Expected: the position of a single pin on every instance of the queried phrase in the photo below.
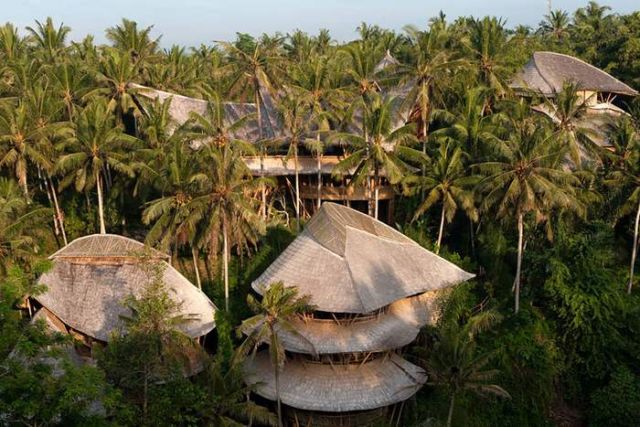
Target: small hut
(91, 276)
(373, 289)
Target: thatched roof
(107, 246)
(337, 388)
(393, 329)
(349, 262)
(388, 60)
(547, 72)
(86, 287)
(182, 106)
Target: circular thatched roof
(547, 72)
(337, 388)
(92, 276)
(349, 262)
(393, 329)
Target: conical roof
(91, 277)
(547, 72)
(349, 262)
(337, 388)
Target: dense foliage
(528, 204)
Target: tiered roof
(348, 262)
(91, 277)
(337, 388)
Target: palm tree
(488, 44)
(21, 226)
(385, 148)
(138, 44)
(115, 73)
(254, 71)
(427, 75)
(45, 110)
(556, 24)
(279, 305)
(98, 144)
(455, 362)
(21, 143)
(70, 83)
(317, 81)
(168, 212)
(470, 125)
(567, 111)
(11, 44)
(296, 115)
(224, 205)
(445, 181)
(48, 39)
(625, 178)
(527, 177)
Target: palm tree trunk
(441, 231)
(319, 184)
(225, 262)
(370, 196)
(278, 401)
(103, 230)
(519, 262)
(634, 251)
(58, 211)
(194, 255)
(451, 405)
(376, 189)
(297, 173)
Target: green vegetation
(547, 220)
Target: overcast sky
(192, 22)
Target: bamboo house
(90, 278)
(545, 75)
(373, 289)
(317, 184)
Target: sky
(192, 22)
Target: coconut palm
(446, 181)
(625, 177)
(22, 226)
(97, 144)
(168, 212)
(470, 125)
(296, 116)
(225, 206)
(21, 143)
(489, 48)
(48, 39)
(456, 363)
(556, 24)
(567, 111)
(385, 148)
(116, 71)
(255, 71)
(45, 109)
(11, 44)
(428, 73)
(137, 43)
(70, 83)
(317, 81)
(279, 305)
(527, 178)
